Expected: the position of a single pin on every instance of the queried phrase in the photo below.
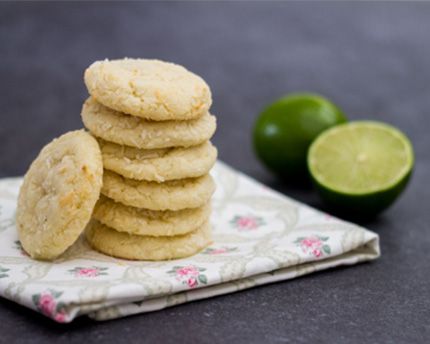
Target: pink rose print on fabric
(314, 245)
(192, 282)
(60, 317)
(247, 223)
(187, 271)
(219, 250)
(47, 304)
(190, 275)
(90, 272)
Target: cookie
(150, 89)
(158, 164)
(149, 222)
(137, 247)
(58, 194)
(122, 129)
(170, 195)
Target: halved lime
(361, 167)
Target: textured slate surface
(370, 58)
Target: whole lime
(285, 129)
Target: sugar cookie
(150, 89)
(170, 195)
(58, 195)
(149, 222)
(137, 247)
(158, 164)
(122, 129)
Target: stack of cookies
(152, 123)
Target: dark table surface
(373, 59)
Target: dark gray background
(373, 59)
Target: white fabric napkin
(260, 236)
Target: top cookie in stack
(152, 122)
(150, 89)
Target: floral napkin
(260, 236)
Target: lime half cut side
(361, 167)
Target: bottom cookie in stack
(141, 247)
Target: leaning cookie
(58, 194)
(170, 195)
(136, 247)
(158, 164)
(149, 222)
(123, 129)
(150, 89)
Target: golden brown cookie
(158, 164)
(58, 195)
(150, 89)
(170, 195)
(149, 222)
(122, 129)
(137, 247)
